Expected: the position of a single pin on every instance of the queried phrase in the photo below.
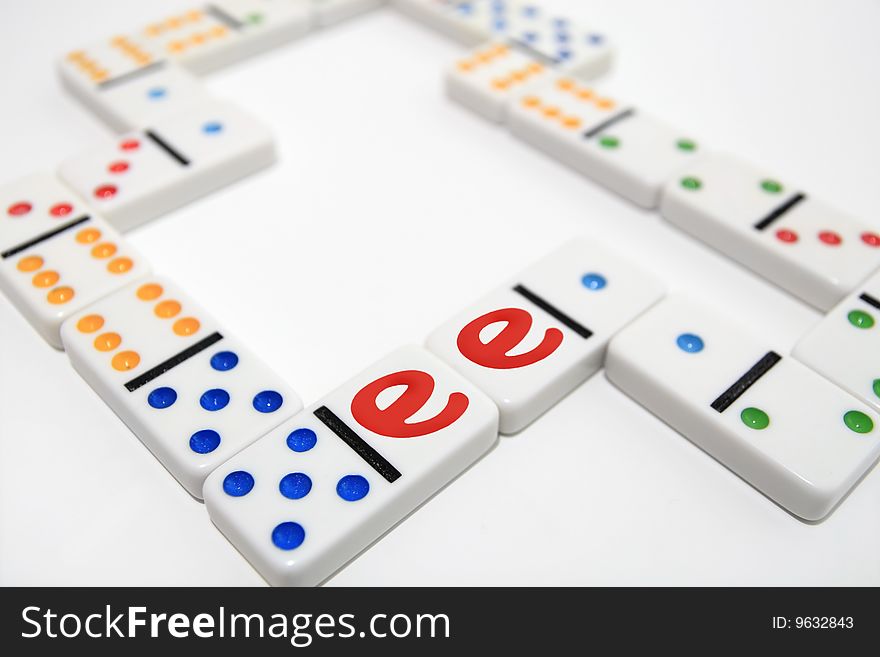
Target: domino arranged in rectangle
(534, 339)
(801, 244)
(141, 175)
(844, 346)
(56, 255)
(610, 142)
(191, 393)
(307, 498)
(794, 436)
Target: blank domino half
(534, 339)
(799, 439)
(844, 346)
(611, 142)
(143, 174)
(307, 498)
(192, 394)
(330, 12)
(56, 255)
(801, 244)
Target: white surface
(390, 209)
(806, 458)
(454, 424)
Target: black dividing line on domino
(570, 322)
(227, 19)
(617, 118)
(45, 236)
(871, 301)
(360, 446)
(168, 148)
(131, 75)
(746, 381)
(533, 53)
(781, 210)
(173, 362)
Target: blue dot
(302, 440)
(214, 399)
(204, 441)
(157, 93)
(295, 485)
(288, 535)
(594, 281)
(238, 483)
(595, 39)
(530, 11)
(268, 401)
(531, 37)
(162, 397)
(353, 488)
(560, 23)
(212, 128)
(690, 343)
(224, 360)
(500, 25)
(562, 37)
(564, 54)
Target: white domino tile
(331, 12)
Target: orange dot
(88, 235)
(120, 265)
(173, 23)
(125, 360)
(566, 84)
(585, 94)
(571, 122)
(149, 291)
(465, 65)
(193, 15)
(604, 103)
(219, 31)
(30, 263)
(166, 309)
(186, 326)
(99, 76)
(199, 39)
(104, 250)
(107, 341)
(535, 68)
(90, 323)
(520, 75)
(60, 295)
(176, 46)
(501, 49)
(485, 56)
(531, 101)
(551, 112)
(500, 84)
(45, 278)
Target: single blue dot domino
(224, 361)
(352, 488)
(288, 535)
(238, 483)
(268, 401)
(302, 440)
(295, 485)
(204, 441)
(157, 93)
(162, 397)
(214, 399)
(594, 281)
(690, 343)
(212, 128)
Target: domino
(190, 392)
(607, 140)
(791, 434)
(451, 18)
(844, 346)
(141, 175)
(330, 12)
(223, 32)
(487, 78)
(544, 332)
(56, 255)
(133, 98)
(307, 498)
(797, 242)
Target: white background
(391, 209)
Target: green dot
(609, 142)
(691, 183)
(254, 19)
(686, 145)
(771, 186)
(877, 387)
(860, 319)
(755, 418)
(858, 422)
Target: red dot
(830, 237)
(130, 145)
(20, 208)
(106, 191)
(787, 235)
(871, 239)
(118, 167)
(61, 209)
